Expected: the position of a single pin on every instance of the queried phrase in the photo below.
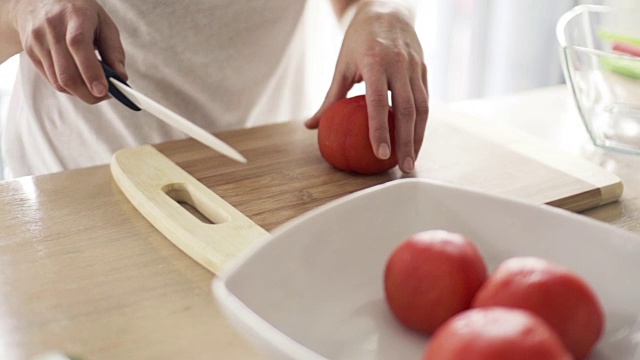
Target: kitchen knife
(135, 100)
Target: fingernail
(383, 151)
(408, 164)
(98, 89)
(121, 69)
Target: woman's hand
(381, 47)
(61, 36)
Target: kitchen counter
(85, 274)
(550, 114)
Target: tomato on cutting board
(560, 297)
(343, 138)
(495, 333)
(432, 276)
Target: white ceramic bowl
(315, 289)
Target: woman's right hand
(61, 36)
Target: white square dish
(315, 289)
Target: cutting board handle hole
(203, 211)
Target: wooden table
(83, 273)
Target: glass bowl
(600, 53)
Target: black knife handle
(113, 90)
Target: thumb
(109, 45)
(339, 88)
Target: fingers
(59, 39)
(40, 55)
(378, 110)
(406, 77)
(44, 63)
(404, 110)
(421, 100)
(409, 99)
(79, 41)
(68, 76)
(340, 86)
(110, 45)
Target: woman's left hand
(382, 49)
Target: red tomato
(495, 333)
(560, 297)
(343, 138)
(432, 276)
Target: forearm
(407, 8)
(9, 37)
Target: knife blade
(135, 100)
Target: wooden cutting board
(286, 176)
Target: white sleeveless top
(222, 64)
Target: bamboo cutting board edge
(610, 186)
(148, 179)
